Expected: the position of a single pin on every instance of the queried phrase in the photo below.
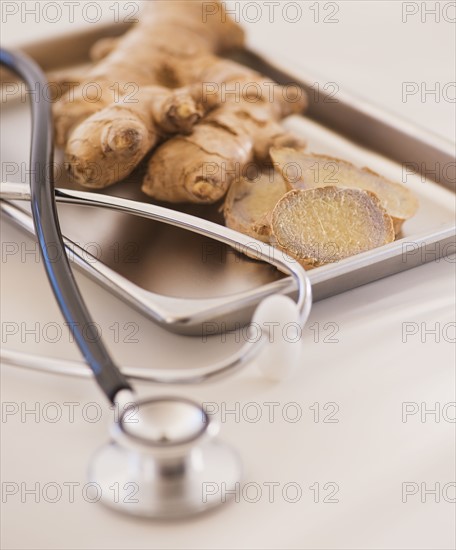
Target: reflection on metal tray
(181, 279)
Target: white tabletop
(386, 453)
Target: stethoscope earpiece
(164, 461)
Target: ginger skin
(200, 167)
(173, 51)
(110, 144)
(168, 47)
(249, 204)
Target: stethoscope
(165, 446)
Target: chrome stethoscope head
(165, 459)
(164, 450)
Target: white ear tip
(278, 318)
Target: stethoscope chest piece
(165, 462)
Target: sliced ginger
(250, 202)
(305, 171)
(327, 224)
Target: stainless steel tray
(182, 280)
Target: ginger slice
(249, 204)
(327, 224)
(305, 171)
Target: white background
(370, 453)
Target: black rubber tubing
(47, 228)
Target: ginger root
(141, 90)
(305, 171)
(249, 204)
(327, 224)
(201, 167)
(173, 47)
(110, 144)
(169, 47)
